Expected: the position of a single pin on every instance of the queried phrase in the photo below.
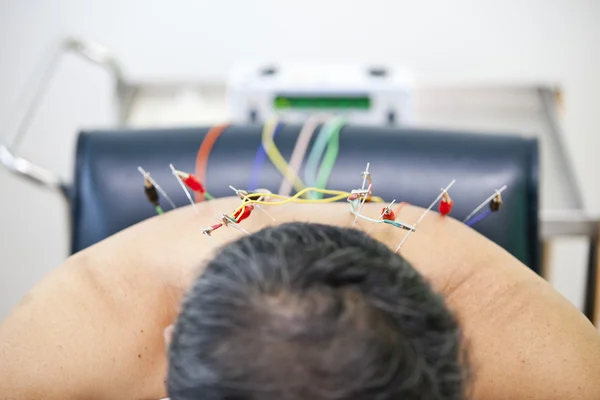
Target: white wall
(441, 41)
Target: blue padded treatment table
(407, 164)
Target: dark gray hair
(309, 311)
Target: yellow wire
(339, 195)
(374, 199)
(278, 196)
(294, 198)
(290, 200)
(277, 159)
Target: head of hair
(308, 312)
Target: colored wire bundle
(336, 196)
(302, 141)
(326, 147)
(268, 144)
(331, 133)
(328, 138)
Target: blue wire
(259, 160)
(393, 223)
(478, 218)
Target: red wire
(399, 207)
(204, 151)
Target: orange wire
(204, 151)
(399, 207)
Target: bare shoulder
(68, 339)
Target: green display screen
(322, 102)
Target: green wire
(159, 210)
(318, 148)
(310, 170)
(333, 148)
(208, 196)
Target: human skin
(93, 329)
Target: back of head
(308, 311)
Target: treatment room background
(465, 42)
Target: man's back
(94, 328)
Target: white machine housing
(364, 95)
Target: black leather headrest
(407, 164)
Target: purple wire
(478, 218)
(259, 160)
